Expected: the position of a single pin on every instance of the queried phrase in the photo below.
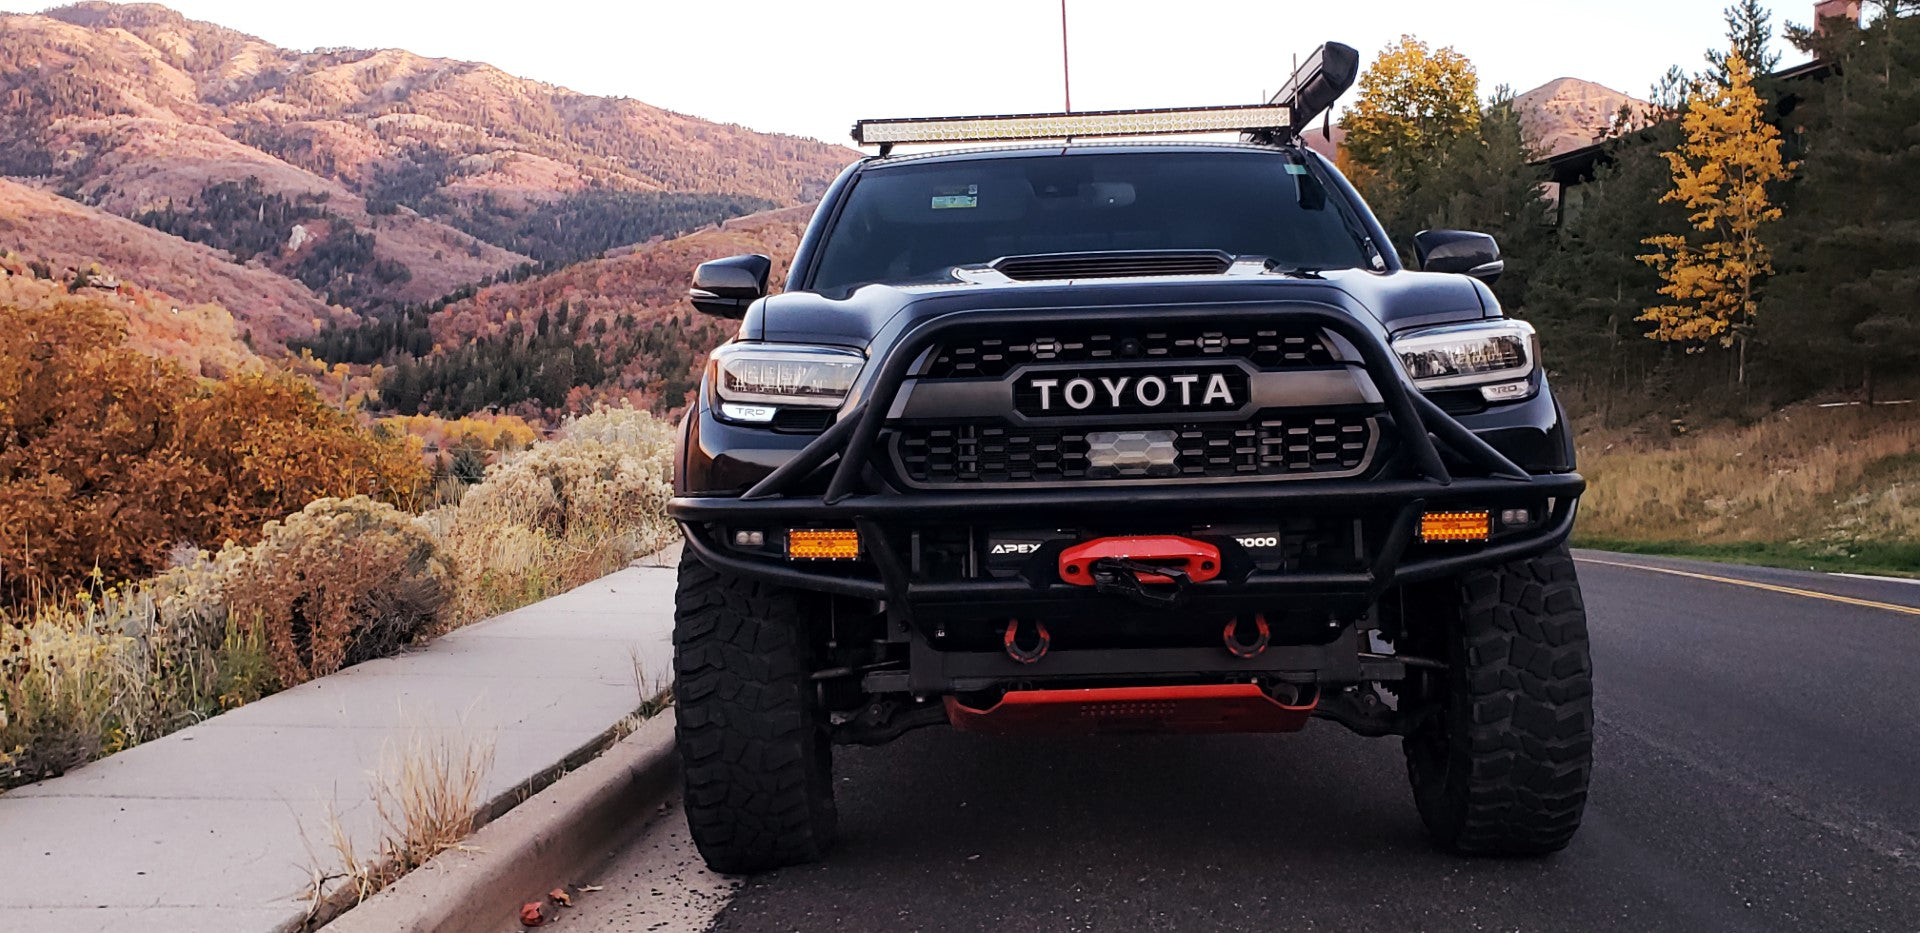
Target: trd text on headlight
(751, 381)
(1497, 356)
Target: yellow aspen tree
(1721, 170)
(1415, 101)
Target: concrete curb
(533, 848)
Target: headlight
(1497, 356)
(753, 381)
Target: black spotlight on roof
(1320, 80)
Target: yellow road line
(1770, 587)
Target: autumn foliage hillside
(220, 304)
(613, 329)
(110, 121)
(412, 176)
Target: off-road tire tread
(755, 755)
(1528, 728)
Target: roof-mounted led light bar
(1043, 126)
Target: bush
(96, 674)
(562, 513)
(269, 444)
(89, 476)
(113, 457)
(340, 582)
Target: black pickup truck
(1081, 437)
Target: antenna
(1066, 69)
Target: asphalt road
(1757, 749)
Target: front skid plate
(1200, 708)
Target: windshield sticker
(955, 198)
(1295, 168)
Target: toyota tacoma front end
(1118, 438)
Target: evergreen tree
(1590, 288)
(1486, 181)
(1750, 32)
(1848, 297)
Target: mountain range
(458, 237)
(1568, 113)
(370, 180)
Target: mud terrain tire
(751, 732)
(1502, 765)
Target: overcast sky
(812, 67)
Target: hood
(1395, 301)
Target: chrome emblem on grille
(1132, 453)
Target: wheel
(752, 735)
(1501, 764)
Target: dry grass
(118, 666)
(1836, 482)
(426, 795)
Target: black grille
(1111, 265)
(993, 356)
(1265, 448)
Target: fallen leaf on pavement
(561, 897)
(533, 914)
(590, 888)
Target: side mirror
(1459, 251)
(724, 287)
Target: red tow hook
(1023, 653)
(1247, 649)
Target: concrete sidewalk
(202, 830)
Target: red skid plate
(1108, 710)
(1200, 560)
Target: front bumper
(1437, 464)
(1392, 508)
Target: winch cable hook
(1120, 576)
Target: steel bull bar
(842, 453)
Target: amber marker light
(1455, 526)
(824, 543)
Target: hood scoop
(1112, 265)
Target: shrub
(562, 513)
(89, 476)
(108, 670)
(111, 457)
(341, 581)
(269, 444)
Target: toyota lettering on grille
(1131, 392)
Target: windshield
(913, 222)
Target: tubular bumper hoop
(1417, 422)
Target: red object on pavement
(1105, 710)
(533, 914)
(1198, 559)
